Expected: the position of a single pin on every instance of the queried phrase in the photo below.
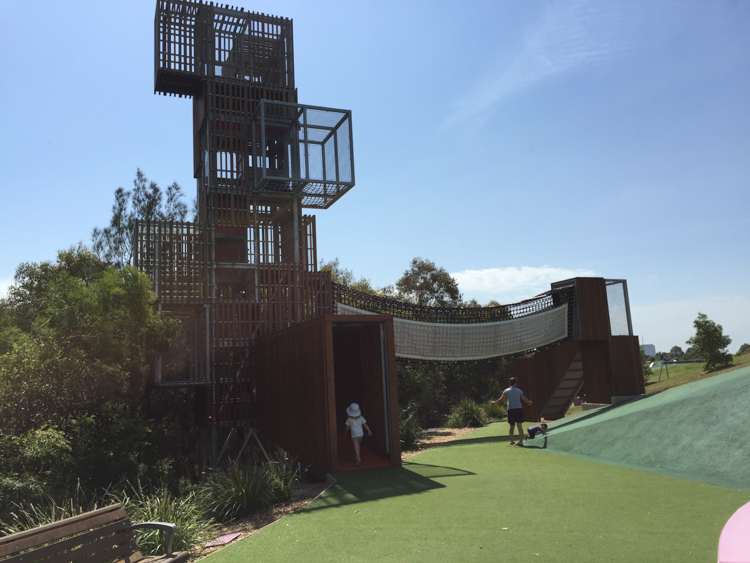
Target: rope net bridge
(467, 333)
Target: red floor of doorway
(370, 460)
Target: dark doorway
(361, 376)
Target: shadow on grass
(354, 487)
(539, 443)
(597, 412)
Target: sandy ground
(308, 491)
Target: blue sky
(512, 143)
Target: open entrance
(360, 369)
(306, 376)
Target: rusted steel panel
(593, 308)
(294, 379)
(597, 371)
(529, 384)
(627, 367)
(393, 391)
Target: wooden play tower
(247, 266)
(268, 342)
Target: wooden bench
(99, 536)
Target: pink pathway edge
(223, 540)
(734, 542)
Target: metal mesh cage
(304, 150)
(619, 308)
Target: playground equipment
(578, 333)
(270, 343)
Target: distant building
(649, 349)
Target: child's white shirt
(355, 425)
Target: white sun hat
(353, 410)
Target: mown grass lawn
(680, 374)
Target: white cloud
(567, 36)
(508, 285)
(671, 324)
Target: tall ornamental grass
(194, 528)
(411, 432)
(465, 414)
(243, 490)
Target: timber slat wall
(172, 254)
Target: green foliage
(710, 343)
(744, 349)
(422, 392)
(343, 276)
(118, 446)
(467, 414)
(193, 527)
(497, 411)
(426, 284)
(77, 334)
(691, 354)
(283, 479)
(77, 341)
(33, 464)
(427, 389)
(242, 490)
(645, 365)
(411, 433)
(45, 509)
(676, 353)
(114, 243)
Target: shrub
(44, 509)
(244, 489)
(34, 464)
(466, 414)
(710, 342)
(193, 527)
(411, 433)
(743, 349)
(496, 411)
(646, 366)
(283, 479)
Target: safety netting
(466, 333)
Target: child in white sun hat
(354, 424)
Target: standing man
(515, 410)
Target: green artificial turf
(478, 499)
(695, 431)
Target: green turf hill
(696, 431)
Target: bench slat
(174, 558)
(69, 543)
(135, 558)
(115, 546)
(62, 529)
(111, 555)
(99, 536)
